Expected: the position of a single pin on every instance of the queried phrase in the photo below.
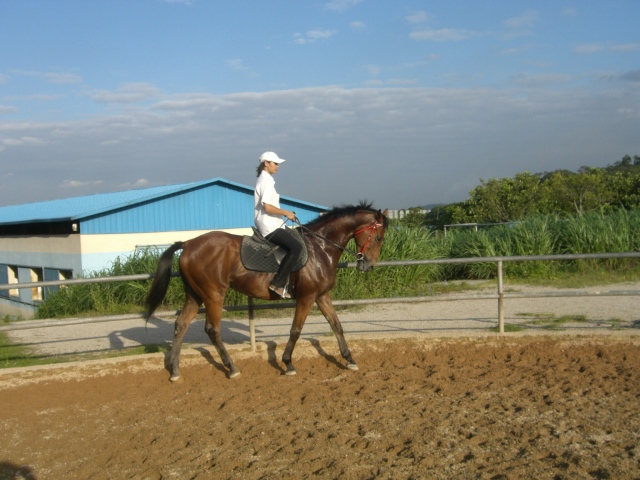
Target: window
(36, 276)
(12, 277)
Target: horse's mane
(342, 211)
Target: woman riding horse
(210, 264)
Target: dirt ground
(555, 407)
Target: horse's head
(369, 238)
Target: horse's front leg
(329, 312)
(303, 307)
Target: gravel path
(607, 315)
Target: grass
(508, 328)
(15, 356)
(549, 321)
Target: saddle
(260, 255)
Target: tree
(414, 218)
(506, 199)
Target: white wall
(100, 251)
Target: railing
(500, 295)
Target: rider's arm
(273, 210)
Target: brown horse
(210, 264)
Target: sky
(402, 103)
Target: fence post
(500, 299)
(252, 324)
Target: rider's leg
(290, 243)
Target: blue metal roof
(91, 206)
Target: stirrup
(282, 292)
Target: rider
(268, 219)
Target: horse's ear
(382, 214)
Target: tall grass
(600, 232)
(400, 244)
(596, 232)
(617, 230)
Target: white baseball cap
(271, 157)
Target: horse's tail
(161, 280)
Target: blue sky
(403, 103)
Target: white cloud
(22, 141)
(140, 183)
(63, 78)
(40, 97)
(417, 17)
(588, 48)
(80, 183)
(191, 137)
(59, 78)
(357, 25)
(426, 60)
(320, 34)
(313, 35)
(627, 47)
(373, 70)
(236, 64)
(524, 20)
(6, 110)
(521, 26)
(538, 80)
(340, 5)
(129, 93)
(599, 47)
(442, 35)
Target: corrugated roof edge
(18, 214)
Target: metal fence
(251, 307)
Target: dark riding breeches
(285, 239)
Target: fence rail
(251, 307)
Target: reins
(359, 255)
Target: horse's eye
(378, 238)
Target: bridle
(359, 255)
(372, 228)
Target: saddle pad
(258, 255)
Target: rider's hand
(291, 216)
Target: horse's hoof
(352, 366)
(235, 374)
(291, 372)
(176, 379)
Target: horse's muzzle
(364, 265)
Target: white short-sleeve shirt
(265, 192)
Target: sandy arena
(551, 406)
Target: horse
(210, 264)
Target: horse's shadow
(17, 472)
(272, 357)
(158, 332)
(328, 357)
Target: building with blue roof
(63, 239)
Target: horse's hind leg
(326, 307)
(212, 328)
(189, 311)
